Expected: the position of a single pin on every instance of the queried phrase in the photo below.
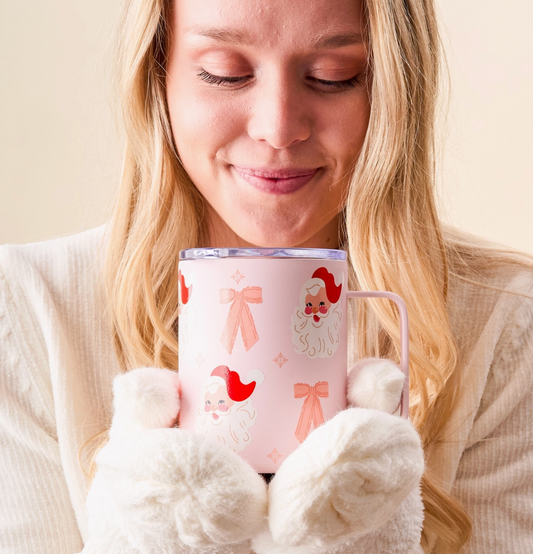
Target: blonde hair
(391, 229)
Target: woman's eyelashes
(319, 84)
(219, 81)
(337, 85)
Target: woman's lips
(276, 181)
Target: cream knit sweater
(57, 363)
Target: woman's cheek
(206, 126)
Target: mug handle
(404, 339)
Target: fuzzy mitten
(353, 485)
(164, 490)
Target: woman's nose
(278, 114)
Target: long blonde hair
(391, 229)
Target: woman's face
(269, 109)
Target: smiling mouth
(215, 416)
(276, 181)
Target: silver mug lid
(307, 253)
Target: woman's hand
(353, 484)
(161, 489)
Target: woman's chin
(276, 240)
(280, 234)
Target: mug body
(262, 347)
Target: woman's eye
(220, 81)
(323, 84)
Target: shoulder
(490, 286)
(491, 311)
(62, 270)
(482, 295)
(53, 260)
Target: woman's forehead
(317, 23)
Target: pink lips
(276, 181)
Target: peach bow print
(312, 409)
(240, 316)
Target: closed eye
(218, 80)
(336, 85)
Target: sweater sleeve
(495, 474)
(36, 514)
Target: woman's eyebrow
(339, 40)
(234, 36)
(220, 34)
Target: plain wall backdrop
(60, 158)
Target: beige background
(59, 158)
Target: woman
(274, 124)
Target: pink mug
(263, 346)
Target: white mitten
(164, 490)
(352, 486)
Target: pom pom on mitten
(167, 490)
(346, 480)
(144, 398)
(375, 383)
(400, 535)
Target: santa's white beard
(231, 428)
(316, 339)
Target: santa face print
(227, 411)
(218, 405)
(317, 305)
(316, 321)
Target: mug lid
(216, 253)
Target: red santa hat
(333, 292)
(237, 391)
